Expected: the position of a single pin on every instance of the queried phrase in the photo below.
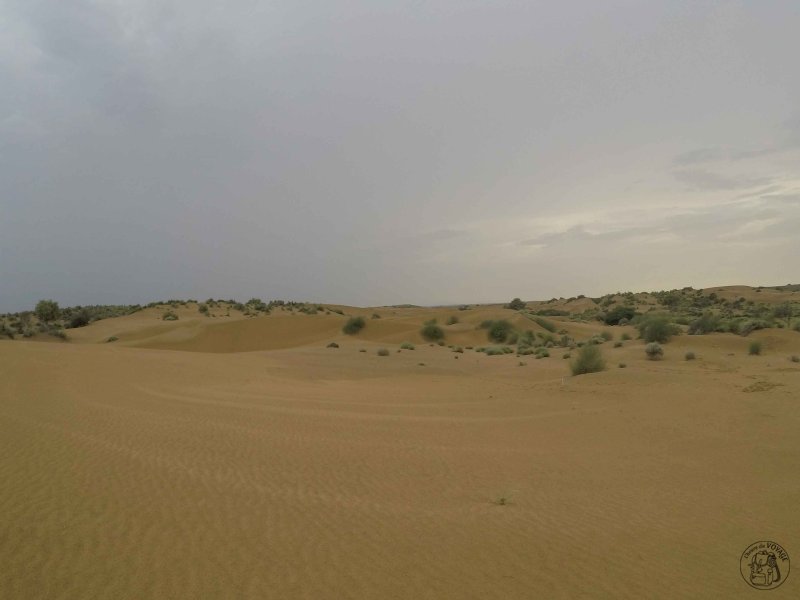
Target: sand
(241, 458)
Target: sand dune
(241, 458)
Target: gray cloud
(369, 152)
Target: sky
(385, 152)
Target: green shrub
(59, 333)
(754, 348)
(406, 346)
(516, 304)
(654, 351)
(354, 325)
(657, 329)
(498, 331)
(796, 326)
(202, 308)
(619, 313)
(458, 349)
(376, 316)
(589, 360)
(566, 355)
(617, 344)
(47, 310)
(383, 352)
(452, 320)
(333, 345)
(548, 325)
(708, 323)
(169, 316)
(689, 356)
(431, 332)
(625, 337)
(607, 335)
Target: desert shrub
(354, 325)
(542, 322)
(618, 313)
(689, 356)
(57, 332)
(333, 345)
(657, 329)
(607, 335)
(406, 346)
(498, 331)
(625, 337)
(542, 352)
(47, 310)
(566, 355)
(169, 316)
(362, 349)
(796, 326)
(383, 352)
(431, 332)
(458, 349)
(440, 343)
(113, 338)
(654, 351)
(512, 338)
(525, 351)
(79, 319)
(747, 327)
(452, 320)
(497, 350)
(794, 358)
(202, 308)
(707, 323)
(5, 331)
(754, 348)
(622, 365)
(589, 360)
(376, 316)
(516, 304)
(617, 344)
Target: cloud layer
(390, 152)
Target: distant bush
(406, 346)
(796, 326)
(542, 322)
(566, 355)
(654, 351)
(113, 338)
(617, 344)
(354, 325)
(202, 308)
(625, 337)
(794, 358)
(333, 345)
(708, 323)
(589, 360)
(622, 365)
(498, 331)
(607, 335)
(657, 329)
(169, 316)
(376, 316)
(458, 349)
(618, 313)
(431, 332)
(754, 348)
(516, 304)
(59, 333)
(383, 352)
(452, 320)
(79, 319)
(47, 310)
(689, 356)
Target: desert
(259, 451)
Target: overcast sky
(384, 151)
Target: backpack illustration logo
(764, 565)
